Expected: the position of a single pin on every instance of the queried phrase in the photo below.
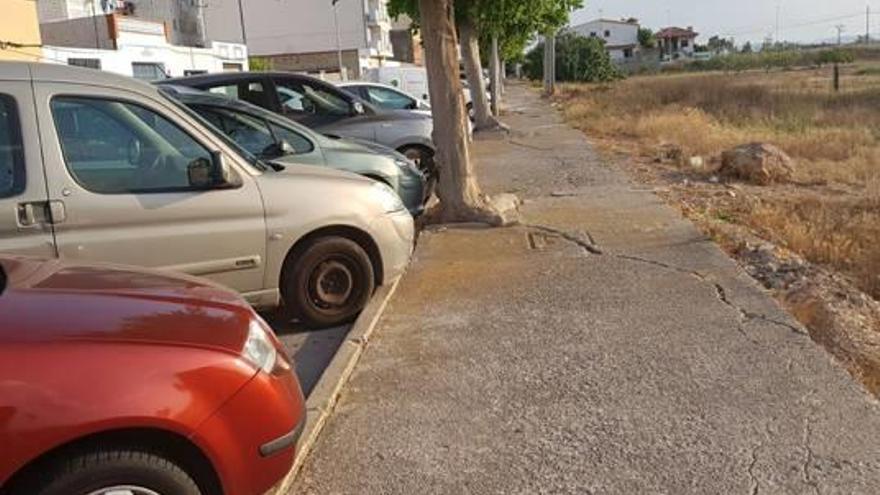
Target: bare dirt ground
(811, 241)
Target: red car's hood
(49, 300)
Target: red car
(121, 381)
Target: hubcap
(333, 283)
(124, 490)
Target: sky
(744, 20)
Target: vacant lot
(823, 228)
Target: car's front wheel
(328, 282)
(424, 159)
(111, 472)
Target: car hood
(332, 144)
(298, 171)
(56, 301)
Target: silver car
(325, 108)
(100, 167)
(280, 141)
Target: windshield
(244, 153)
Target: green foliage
(578, 58)
(647, 38)
(258, 64)
(771, 59)
(718, 44)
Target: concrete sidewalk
(604, 347)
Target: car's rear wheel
(111, 472)
(328, 282)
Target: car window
(299, 142)
(249, 132)
(387, 98)
(253, 92)
(114, 147)
(11, 149)
(303, 98)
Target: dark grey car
(325, 108)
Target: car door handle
(27, 215)
(57, 212)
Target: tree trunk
(495, 71)
(457, 189)
(470, 54)
(550, 64)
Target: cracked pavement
(603, 346)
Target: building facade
(676, 43)
(184, 19)
(19, 31)
(621, 37)
(306, 35)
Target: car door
(24, 221)
(123, 167)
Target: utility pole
(868, 24)
(342, 72)
(778, 10)
(241, 21)
(840, 29)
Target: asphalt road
(604, 346)
(311, 350)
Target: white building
(182, 18)
(134, 47)
(301, 35)
(621, 37)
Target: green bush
(772, 59)
(578, 58)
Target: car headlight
(386, 196)
(259, 349)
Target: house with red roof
(676, 43)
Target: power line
(816, 22)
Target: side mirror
(357, 108)
(277, 150)
(204, 173)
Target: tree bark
(457, 188)
(470, 54)
(495, 71)
(550, 64)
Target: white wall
(621, 33)
(300, 26)
(176, 59)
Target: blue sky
(800, 20)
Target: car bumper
(394, 234)
(412, 191)
(251, 439)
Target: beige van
(100, 167)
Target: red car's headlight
(260, 349)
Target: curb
(322, 400)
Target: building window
(627, 53)
(91, 63)
(607, 33)
(593, 34)
(148, 71)
(684, 43)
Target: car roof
(47, 72)
(193, 96)
(233, 76)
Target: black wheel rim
(333, 284)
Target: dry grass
(831, 214)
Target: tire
(328, 282)
(472, 115)
(91, 472)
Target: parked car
(100, 167)
(123, 381)
(324, 108)
(269, 136)
(391, 98)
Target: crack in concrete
(809, 457)
(592, 247)
(756, 485)
(588, 245)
